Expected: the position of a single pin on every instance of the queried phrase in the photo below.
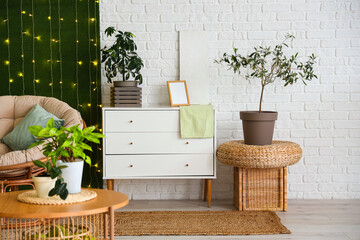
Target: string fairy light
(8, 45)
(22, 47)
(95, 63)
(77, 53)
(33, 43)
(60, 56)
(51, 53)
(89, 54)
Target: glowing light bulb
(89, 104)
(20, 74)
(49, 17)
(33, 61)
(30, 15)
(80, 63)
(11, 80)
(6, 20)
(100, 105)
(77, 41)
(7, 62)
(37, 38)
(7, 41)
(23, 12)
(76, 20)
(95, 63)
(74, 84)
(60, 82)
(92, 19)
(49, 60)
(50, 84)
(22, 55)
(37, 80)
(61, 19)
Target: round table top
(278, 154)
(10, 207)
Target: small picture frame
(178, 93)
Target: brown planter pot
(258, 127)
(125, 83)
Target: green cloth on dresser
(197, 121)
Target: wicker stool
(259, 173)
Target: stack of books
(126, 97)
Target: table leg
(112, 223)
(110, 184)
(106, 225)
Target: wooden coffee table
(93, 216)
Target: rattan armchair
(16, 167)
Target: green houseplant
(121, 58)
(67, 148)
(267, 65)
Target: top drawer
(141, 121)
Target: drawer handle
(131, 165)
(187, 142)
(186, 165)
(131, 143)
(131, 121)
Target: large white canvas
(194, 65)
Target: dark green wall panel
(51, 48)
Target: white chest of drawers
(145, 143)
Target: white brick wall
(324, 117)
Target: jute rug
(197, 223)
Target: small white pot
(43, 185)
(72, 174)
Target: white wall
(324, 117)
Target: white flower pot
(43, 185)
(72, 174)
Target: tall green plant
(66, 144)
(121, 57)
(268, 64)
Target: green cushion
(20, 138)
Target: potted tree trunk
(267, 64)
(121, 58)
(67, 146)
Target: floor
(307, 219)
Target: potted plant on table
(66, 150)
(48, 183)
(267, 64)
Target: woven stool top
(278, 154)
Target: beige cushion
(14, 108)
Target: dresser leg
(110, 184)
(208, 190)
(205, 190)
